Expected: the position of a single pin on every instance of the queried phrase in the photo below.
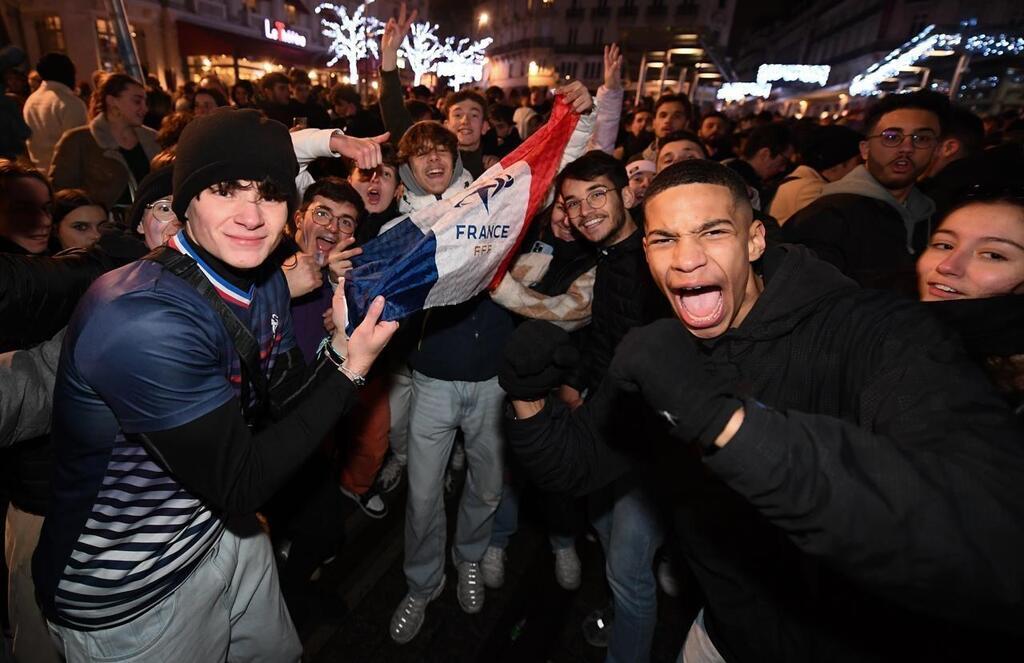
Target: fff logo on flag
(482, 195)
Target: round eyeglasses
(595, 199)
(162, 211)
(323, 217)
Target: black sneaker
(370, 502)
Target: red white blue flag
(448, 252)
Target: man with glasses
(872, 223)
(596, 197)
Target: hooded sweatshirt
(859, 227)
(915, 209)
(415, 197)
(869, 506)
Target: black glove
(537, 356)
(663, 363)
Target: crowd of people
(780, 358)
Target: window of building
(251, 5)
(574, 34)
(291, 13)
(106, 39)
(598, 35)
(51, 35)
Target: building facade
(544, 42)
(184, 40)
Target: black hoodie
(871, 505)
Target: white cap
(639, 166)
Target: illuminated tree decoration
(803, 73)
(463, 61)
(740, 91)
(421, 49)
(352, 37)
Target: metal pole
(641, 79)
(125, 43)
(664, 71)
(961, 67)
(682, 76)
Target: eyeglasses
(162, 211)
(595, 199)
(895, 138)
(323, 217)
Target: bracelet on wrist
(327, 350)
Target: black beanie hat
(153, 187)
(229, 145)
(830, 146)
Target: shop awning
(196, 39)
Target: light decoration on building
(463, 60)
(926, 43)
(421, 49)
(905, 56)
(802, 73)
(742, 90)
(353, 37)
(994, 45)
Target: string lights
(803, 73)
(463, 61)
(421, 49)
(929, 42)
(353, 37)
(740, 91)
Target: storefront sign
(278, 31)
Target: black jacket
(871, 505)
(864, 237)
(38, 294)
(625, 296)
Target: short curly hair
(423, 137)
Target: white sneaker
(471, 587)
(567, 568)
(391, 474)
(409, 615)
(492, 567)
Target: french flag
(446, 253)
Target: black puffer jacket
(869, 508)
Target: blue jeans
(627, 524)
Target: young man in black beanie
(181, 405)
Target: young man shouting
(850, 486)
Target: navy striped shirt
(144, 352)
